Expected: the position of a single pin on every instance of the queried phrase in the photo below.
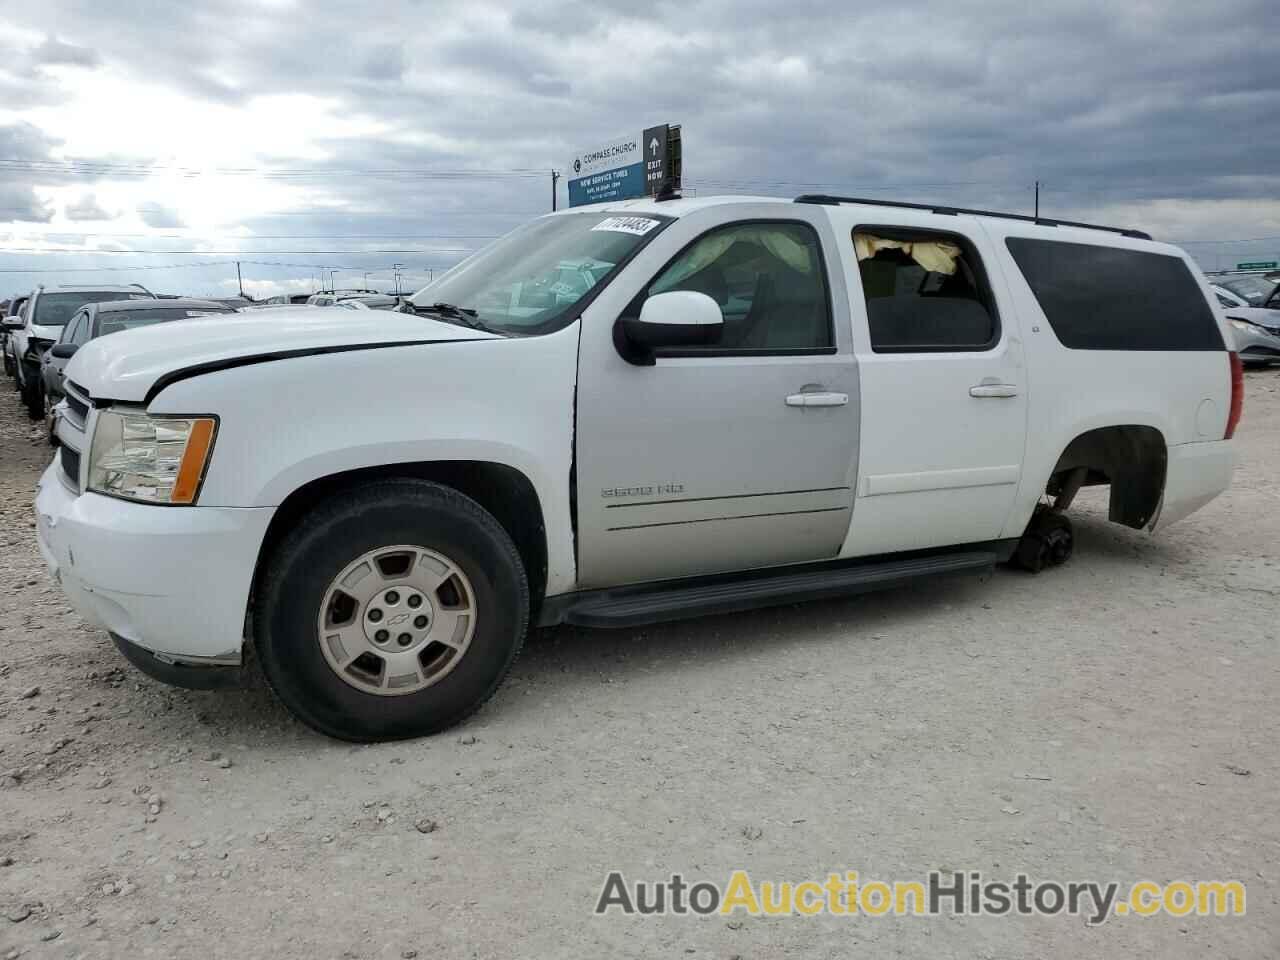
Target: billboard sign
(626, 168)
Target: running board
(676, 599)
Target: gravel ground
(1112, 719)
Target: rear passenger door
(944, 387)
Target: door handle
(817, 400)
(993, 390)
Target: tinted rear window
(1104, 298)
(115, 321)
(55, 309)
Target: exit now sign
(1259, 265)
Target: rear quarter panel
(1186, 395)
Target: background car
(46, 314)
(373, 301)
(100, 319)
(1254, 289)
(14, 314)
(1256, 330)
(327, 298)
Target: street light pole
(333, 281)
(395, 267)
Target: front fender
(289, 422)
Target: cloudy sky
(303, 137)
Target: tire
(1048, 542)
(33, 395)
(303, 583)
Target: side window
(71, 330)
(926, 291)
(769, 281)
(1097, 297)
(81, 334)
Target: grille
(70, 460)
(76, 405)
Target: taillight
(1237, 395)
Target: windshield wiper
(464, 315)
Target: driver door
(712, 459)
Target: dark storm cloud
(20, 203)
(87, 208)
(22, 144)
(53, 52)
(157, 215)
(1113, 107)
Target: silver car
(1256, 328)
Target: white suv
(47, 312)
(742, 402)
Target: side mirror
(679, 318)
(64, 351)
(12, 323)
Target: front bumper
(1257, 345)
(173, 581)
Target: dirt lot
(1112, 719)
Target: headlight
(1244, 325)
(150, 459)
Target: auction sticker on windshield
(638, 226)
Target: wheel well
(504, 491)
(1132, 459)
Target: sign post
(1259, 265)
(648, 165)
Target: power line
(238, 253)
(268, 236)
(277, 173)
(1242, 240)
(343, 212)
(150, 266)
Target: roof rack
(944, 210)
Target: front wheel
(393, 611)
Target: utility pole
(238, 278)
(1037, 199)
(554, 179)
(333, 281)
(366, 280)
(395, 267)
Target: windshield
(528, 281)
(117, 320)
(1254, 289)
(55, 309)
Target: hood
(37, 332)
(126, 365)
